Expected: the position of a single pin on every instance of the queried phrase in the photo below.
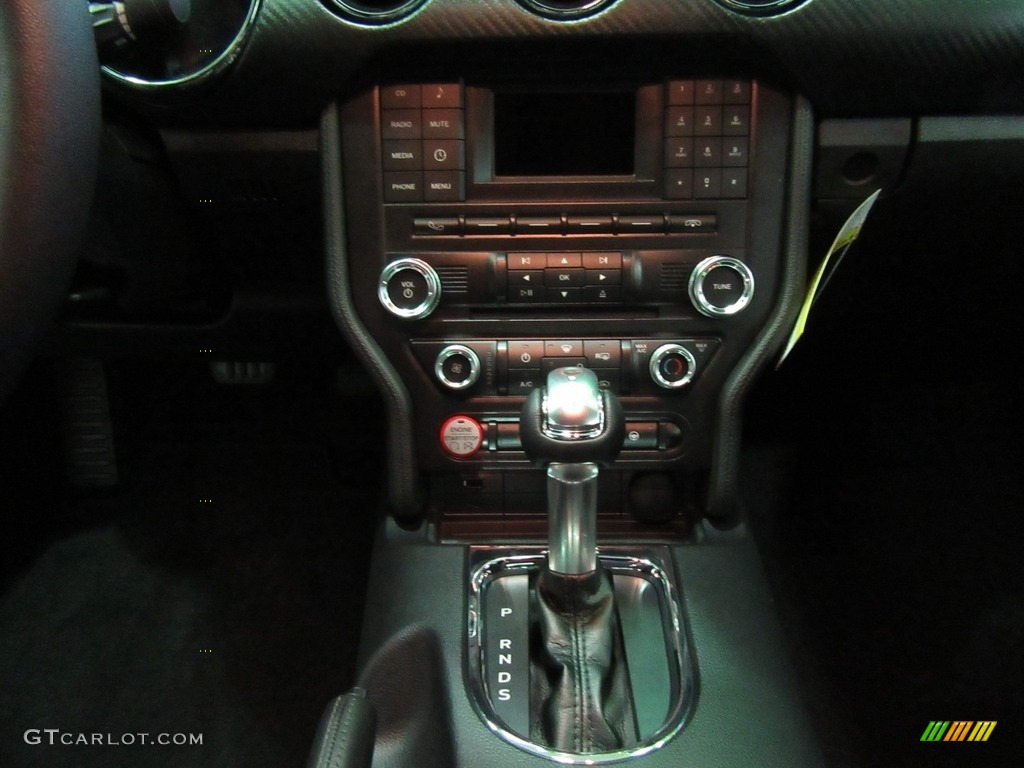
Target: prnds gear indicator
(461, 436)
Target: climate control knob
(457, 366)
(721, 286)
(672, 366)
(409, 288)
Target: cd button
(400, 97)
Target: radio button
(438, 95)
(678, 185)
(525, 354)
(563, 348)
(400, 97)
(442, 124)
(706, 92)
(680, 92)
(401, 124)
(707, 121)
(602, 260)
(564, 278)
(444, 186)
(527, 261)
(557, 260)
(596, 294)
(679, 121)
(589, 225)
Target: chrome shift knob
(573, 407)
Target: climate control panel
(515, 367)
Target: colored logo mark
(958, 730)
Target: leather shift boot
(580, 696)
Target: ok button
(564, 278)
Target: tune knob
(409, 288)
(457, 367)
(672, 366)
(721, 286)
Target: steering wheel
(49, 144)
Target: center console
(499, 231)
(638, 244)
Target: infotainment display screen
(564, 134)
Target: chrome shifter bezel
(650, 562)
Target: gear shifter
(571, 426)
(580, 693)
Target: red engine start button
(462, 436)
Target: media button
(403, 155)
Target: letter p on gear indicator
(461, 436)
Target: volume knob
(409, 288)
